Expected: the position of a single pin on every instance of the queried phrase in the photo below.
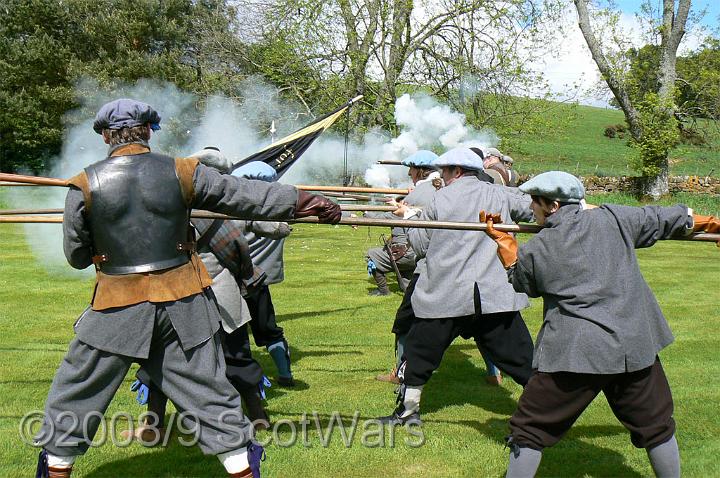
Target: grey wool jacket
(266, 241)
(600, 315)
(128, 330)
(458, 262)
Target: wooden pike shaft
(361, 221)
(32, 212)
(356, 197)
(36, 180)
(352, 189)
(9, 184)
(41, 181)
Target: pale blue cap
(463, 157)
(556, 185)
(256, 170)
(421, 159)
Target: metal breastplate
(138, 217)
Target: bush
(621, 127)
(610, 131)
(691, 136)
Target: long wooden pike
(344, 207)
(362, 221)
(42, 181)
(355, 197)
(36, 180)
(352, 189)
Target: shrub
(610, 131)
(691, 136)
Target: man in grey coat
(422, 173)
(266, 240)
(129, 216)
(602, 327)
(461, 288)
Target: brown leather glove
(316, 205)
(507, 244)
(705, 223)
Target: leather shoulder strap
(185, 169)
(80, 181)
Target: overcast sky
(574, 65)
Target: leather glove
(506, 242)
(705, 223)
(316, 205)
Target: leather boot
(54, 472)
(382, 287)
(45, 471)
(254, 409)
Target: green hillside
(573, 141)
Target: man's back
(139, 197)
(600, 315)
(457, 260)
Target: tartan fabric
(229, 246)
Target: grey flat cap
(212, 157)
(507, 159)
(125, 113)
(493, 152)
(463, 157)
(555, 185)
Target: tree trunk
(655, 186)
(672, 31)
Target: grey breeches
(195, 381)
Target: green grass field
(340, 339)
(573, 141)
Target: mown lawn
(340, 340)
(573, 141)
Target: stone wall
(629, 184)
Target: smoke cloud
(239, 129)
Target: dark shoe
(396, 419)
(255, 410)
(389, 377)
(286, 381)
(378, 292)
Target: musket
(390, 162)
(372, 222)
(396, 269)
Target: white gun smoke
(239, 129)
